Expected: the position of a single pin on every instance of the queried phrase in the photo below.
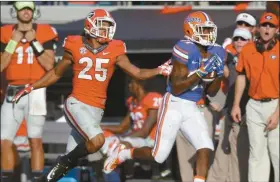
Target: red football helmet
(94, 25)
(195, 26)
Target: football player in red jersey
(142, 113)
(27, 52)
(138, 127)
(93, 58)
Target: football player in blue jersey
(198, 68)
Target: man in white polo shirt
(243, 20)
(231, 157)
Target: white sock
(198, 179)
(125, 154)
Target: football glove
(166, 68)
(219, 67)
(22, 93)
(207, 67)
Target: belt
(264, 100)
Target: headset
(16, 6)
(260, 45)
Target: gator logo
(193, 19)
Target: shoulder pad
(183, 50)
(46, 33)
(152, 100)
(118, 47)
(70, 41)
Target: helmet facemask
(199, 36)
(98, 30)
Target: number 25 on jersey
(100, 73)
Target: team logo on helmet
(91, 14)
(268, 17)
(193, 19)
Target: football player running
(93, 58)
(27, 53)
(194, 59)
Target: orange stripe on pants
(160, 124)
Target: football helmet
(94, 25)
(200, 28)
(19, 5)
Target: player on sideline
(93, 58)
(27, 53)
(194, 59)
(142, 116)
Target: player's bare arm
(148, 126)
(56, 73)
(214, 87)
(9, 49)
(5, 60)
(142, 74)
(123, 127)
(46, 58)
(226, 71)
(180, 79)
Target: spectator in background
(259, 62)
(231, 157)
(27, 52)
(243, 20)
(185, 150)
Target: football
(210, 77)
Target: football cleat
(58, 171)
(113, 160)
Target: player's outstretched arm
(54, 74)
(121, 128)
(141, 74)
(181, 79)
(50, 77)
(147, 128)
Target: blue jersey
(188, 53)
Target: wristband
(200, 73)
(38, 48)
(11, 46)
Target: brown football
(210, 77)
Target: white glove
(166, 68)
